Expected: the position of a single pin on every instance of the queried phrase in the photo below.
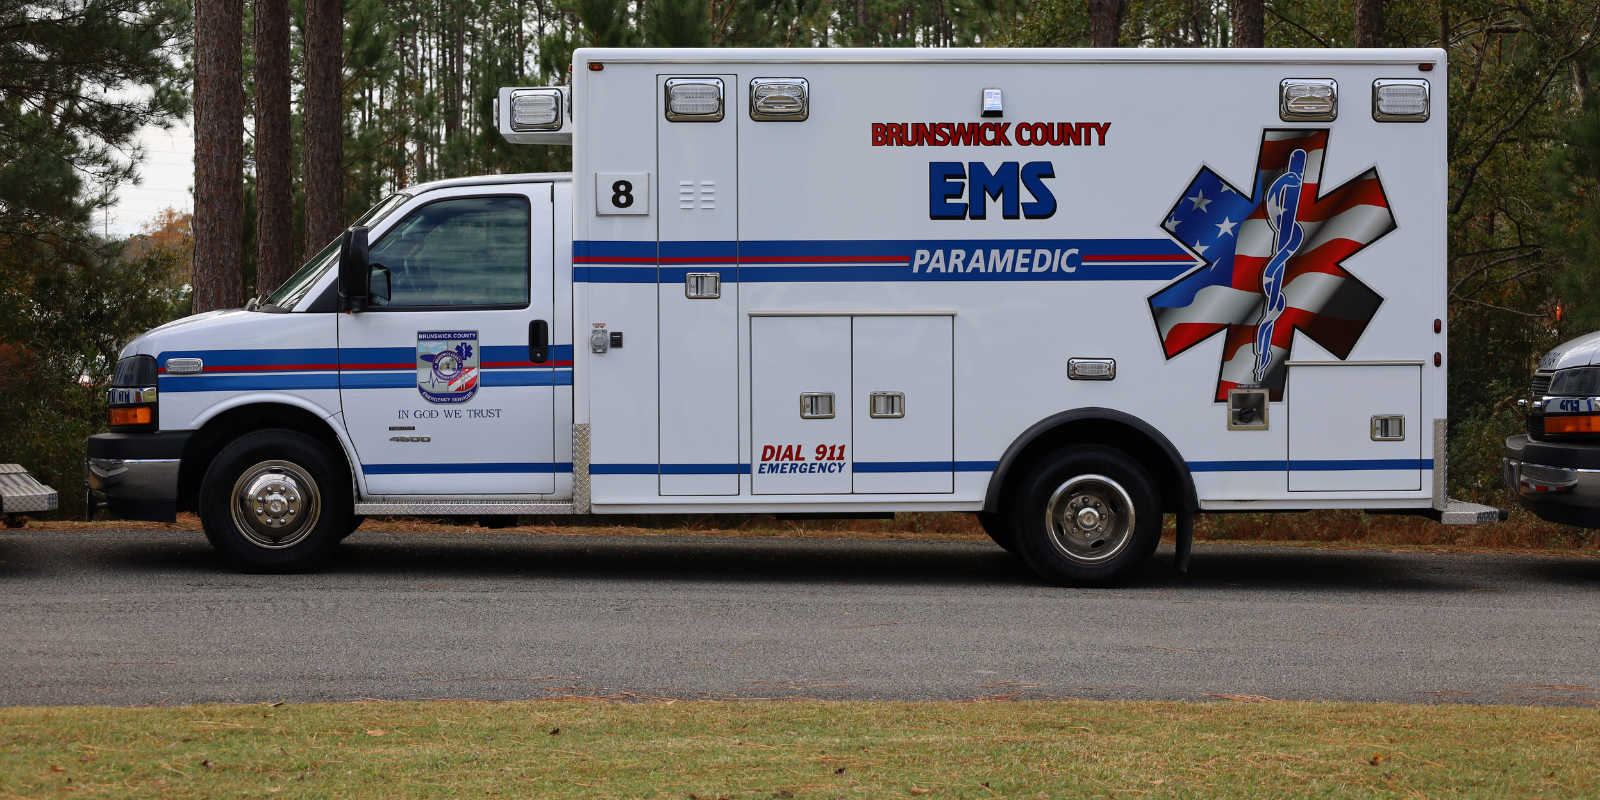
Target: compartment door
(1332, 443)
(908, 363)
(792, 357)
(699, 337)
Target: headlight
(132, 396)
(1577, 382)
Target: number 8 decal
(622, 193)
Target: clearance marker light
(1308, 99)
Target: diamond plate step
(21, 494)
(1459, 512)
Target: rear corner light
(1302, 99)
(126, 417)
(536, 110)
(1587, 423)
(694, 99)
(780, 99)
(1400, 100)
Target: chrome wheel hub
(276, 504)
(1090, 519)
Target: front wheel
(1088, 515)
(274, 501)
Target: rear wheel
(274, 501)
(1088, 515)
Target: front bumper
(1558, 482)
(135, 475)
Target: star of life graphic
(1272, 262)
(447, 365)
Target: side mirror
(378, 286)
(354, 275)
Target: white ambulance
(1068, 290)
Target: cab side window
(471, 251)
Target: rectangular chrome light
(1400, 100)
(536, 110)
(1302, 99)
(779, 99)
(694, 99)
(1091, 369)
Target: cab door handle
(538, 341)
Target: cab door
(440, 392)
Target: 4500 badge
(447, 365)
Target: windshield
(294, 290)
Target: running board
(461, 508)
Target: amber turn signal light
(1587, 424)
(130, 416)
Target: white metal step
(1458, 512)
(453, 508)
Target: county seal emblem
(447, 365)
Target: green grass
(802, 750)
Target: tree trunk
(1105, 22)
(324, 122)
(274, 149)
(218, 153)
(1369, 23)
(1249, 29)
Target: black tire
(355, 523)
(999, 529)
(1086, 516)
(300, 480)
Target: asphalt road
(143, 617)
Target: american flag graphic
(1272, 262)
(467, 380)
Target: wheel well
(1103, 426)
(222, 429)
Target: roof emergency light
(694, 99)
(535, 110)
(1308, 99)
(534, 115)
(1400, 100)
(779, 99)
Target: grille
(1540, 385)
(1535, 427)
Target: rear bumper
(135, 475)
(1558, 482)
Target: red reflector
(595, 66)
(1437, 326)
(1589, 424)
(1425, 67)
(130, 416)
(1438, 360)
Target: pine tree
(218, 153)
